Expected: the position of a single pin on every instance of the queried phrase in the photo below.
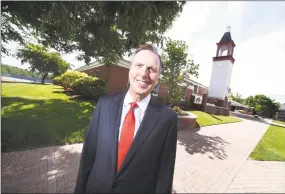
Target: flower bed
(185, 120)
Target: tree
(105, 30)
(237, 97)
(42, 61)
(177, 67)
(263, 105)
(250, 101)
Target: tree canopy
(177, 66)
(42, 61)
(105, 30)
(263, 105)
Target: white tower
(222, 68)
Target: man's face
(144, 72)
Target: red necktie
(127, 135)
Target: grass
(35, 115)
(205, 119)
(33, 91)
(271, 147)
(279, 122)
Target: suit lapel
(115, 113)
(151, 117)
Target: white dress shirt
(139, 111)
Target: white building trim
(90, 66)
(124, 63)
(194, 82)
(121, 63)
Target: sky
(257, 28)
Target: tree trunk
(44, 76)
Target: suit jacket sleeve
(88, 151)
(166, 172)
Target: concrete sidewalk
(259, 177)
(270, 121)
(50, 169)
(207, 161)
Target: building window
(155, 90)
(97, 73)
(223, 51)
(128, 85)
(230, 50)
(195, 89)
(184, 89)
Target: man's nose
(144, 71)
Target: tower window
(223, 51)
(230, 50)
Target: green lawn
(35, 115)
(271, 147)
(279, 122)
(32, 91)
(205, 119)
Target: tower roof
(227, 38)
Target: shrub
(179, 111)
(89, 87)
(69, 77)
(57, 80)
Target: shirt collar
(141, 104)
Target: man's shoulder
(166, 111)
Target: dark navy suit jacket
(149, 164)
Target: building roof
(234, 103)
(187, 79)
(227, 38)
(122, 62)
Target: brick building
(116, 77)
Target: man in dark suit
(130, 145)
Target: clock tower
(222, 68)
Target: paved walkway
(207, 161)
(259, 177)
(270, 121)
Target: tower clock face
(220, 65)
